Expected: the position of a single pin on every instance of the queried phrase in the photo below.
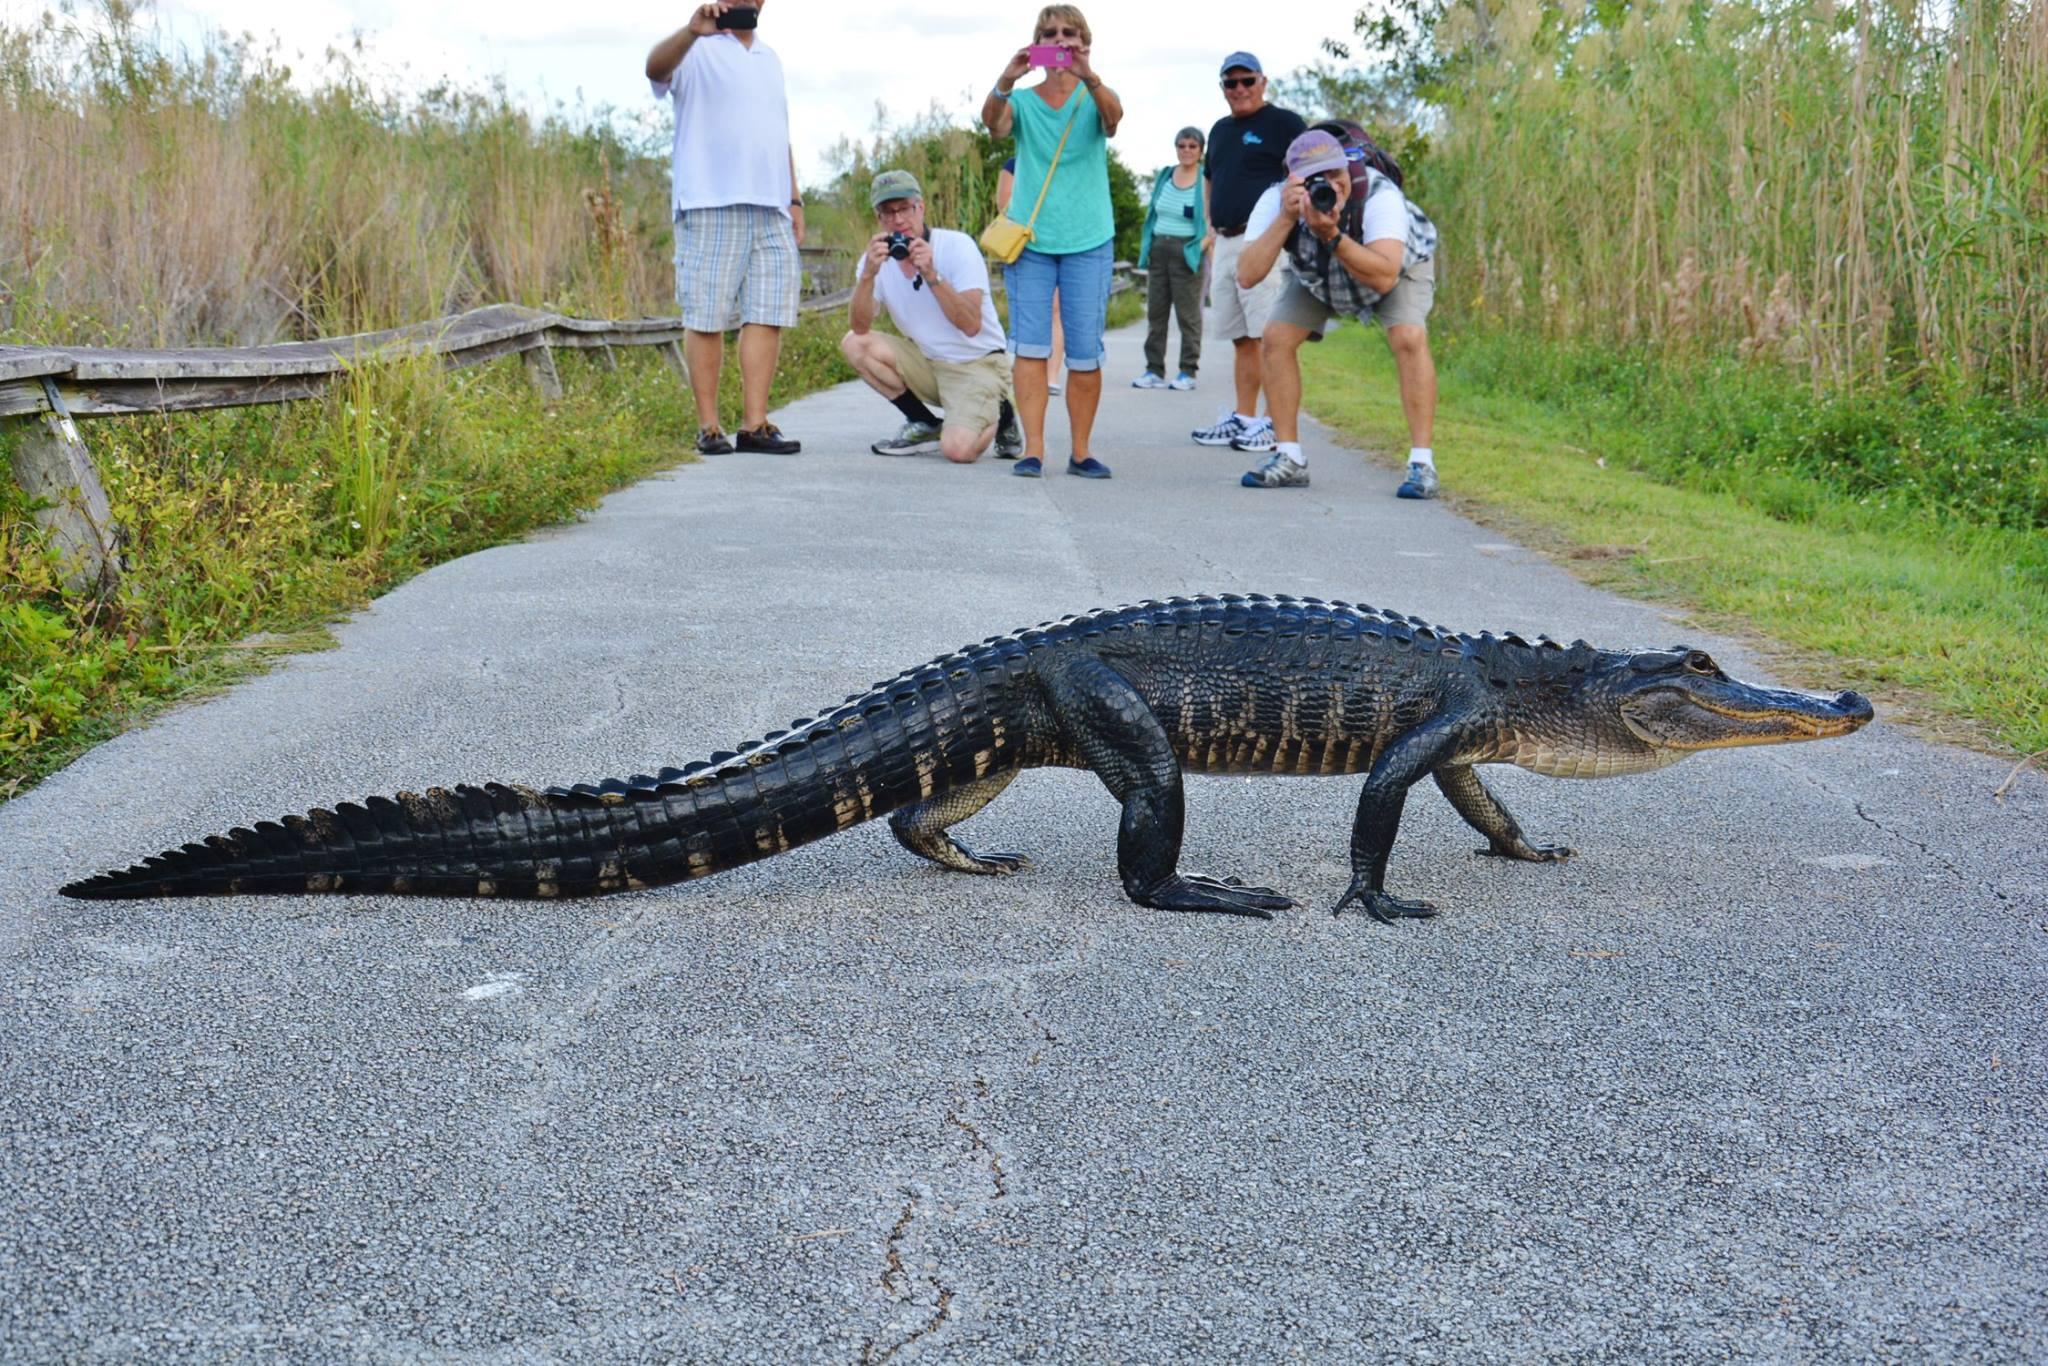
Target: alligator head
(1630, 713)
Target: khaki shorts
(967, 392)
(1235, 312)
(1407, 303)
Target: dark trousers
(1172, 284)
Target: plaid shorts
(736, 264)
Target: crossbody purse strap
(1076, 97)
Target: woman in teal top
(1175, 221)
(1071, 222)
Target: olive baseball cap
(894, 185)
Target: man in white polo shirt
(934, 282)
(738, 216)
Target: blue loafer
(1091, 468)
(1027, 468)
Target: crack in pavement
(1856, 804)
(896, 1281)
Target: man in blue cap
(1247, 151)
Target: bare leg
(1084, 395)
(1417, 371)
(706, 353)
(1028, 379)
(760, 348)
(1282, 368)
(1057, 361)
(874, 362)
(964, 445)
(1248, 373)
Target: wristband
(997, 92)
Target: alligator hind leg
(1104, 721)
(1483, 812)
(922, 828)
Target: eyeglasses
(1239, 82)
(1059, 33)
(1188, 146)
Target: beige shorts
(967, 392)
(1235, 312)
(1407, 303)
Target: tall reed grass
(154, 199)
(1854, 190)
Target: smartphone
(1049, 54)
(740, 16)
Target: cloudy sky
(841, 56)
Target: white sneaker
(916, 438)
(1257, 438)
(1182, 381)
(1148, 380)
(1053, 389)
(1278, 472)
(1227, 428)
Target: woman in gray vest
(1356, 247)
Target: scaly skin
(1138, 695)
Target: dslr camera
(1322, 195)
(899, 246)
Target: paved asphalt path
(1760, 1074)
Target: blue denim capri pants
(1082, 279)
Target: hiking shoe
(1091, 468)
(1421, 482)
(711, 441)
(1182, 381)
(1227, 427)
(1148, 380)
(768, 440)
(916, 438)
(1054, 388)
(1256, 438)
(1278, 472)
(1027, 468)
(1009, 438)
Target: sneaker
(916, 438)
(1054, 388)
(1182, 381)
(768, 440)
(1009, 438)
(1421, 482)
(1257, 438)
(1091, 468)
(711, 441)
(1027, 468)
(1278, 472)
(1227, 427)
(1148, 380)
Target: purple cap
(1243, 59)
(1314, 151)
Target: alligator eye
(1700, 662)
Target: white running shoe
(1182, 381)
(1227, 428)
(1278, 472)
(1257, 438)
(916, 438)
(1148, 380)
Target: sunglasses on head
(1239, 82)
(1059, 33)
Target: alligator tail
(882, 752)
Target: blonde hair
(1066, 13)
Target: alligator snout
(1854, 706)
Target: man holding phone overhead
(738, 217)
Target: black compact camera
(740, 16)
(899, 246)
(1322, 195)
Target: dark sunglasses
(1239, 82)
(1189, 146)
(1059, 33)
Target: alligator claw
(1226, 896)
(1530, 853)
(1382, 906)
(996, 863)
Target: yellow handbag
(1005, 238)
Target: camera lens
(899, 247)
(1322, 195)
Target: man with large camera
(738, 216)
(1354, 247)
(934, 282)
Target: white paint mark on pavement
(1846, 863)
(497, 984)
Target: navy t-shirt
(1245, 156)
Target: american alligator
(1139, 695)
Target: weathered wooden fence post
(672, 352)
(53, 466)
(540, 368)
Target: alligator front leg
(922, 828)
(1473, 800)
(1104, 721)
(1399, 766)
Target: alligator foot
(1382, 906)
(1529, 853)
(978, 862)
(1227, 896)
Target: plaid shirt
(1315, 263)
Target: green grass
(1944, 618)
(249, 529)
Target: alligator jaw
(1728, 715)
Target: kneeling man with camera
(934, 283)
(1355, 247)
